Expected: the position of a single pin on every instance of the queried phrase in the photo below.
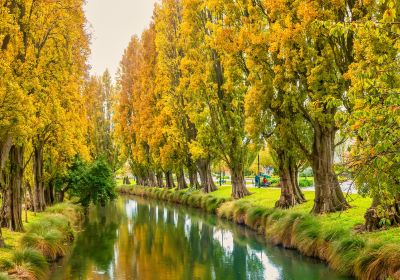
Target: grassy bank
(328, 237)
(46, 238)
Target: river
(133, 238)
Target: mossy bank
(330, 238)
(47, 238)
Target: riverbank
(47, 237)
(330, 238)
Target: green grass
(329, 237)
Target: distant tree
(91, 183)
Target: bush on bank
(47, 238)
(365, 256)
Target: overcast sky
(113, 22)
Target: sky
(112, 23)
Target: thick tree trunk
(152, 182)
(169, 180)
(13, 193)
(239, 189)
(291, 194)
(160, 181)
(328, 195)
(206, 181)
(373, 217)
(38, 188)
(193, 180)
(181, 180)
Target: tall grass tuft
(378, 261)
(344, 253)
(26, 264)
(50, 243)
(306, 235)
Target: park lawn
(347, 220)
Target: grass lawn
(266, 197)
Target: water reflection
(137, 239)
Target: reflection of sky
(175, 219)
(131, 208)
(271, 272)
(188, 223)
(165, 215)
(225, 238)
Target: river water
(133, 238)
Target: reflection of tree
(94, 245)
(150, 248)
(163, 251)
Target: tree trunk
(2, 243)
(328, 195)
(126, 181)
(38, 188)
(13, 193)
(374, 219)
(169, 180)
(29, 201)
(61, 193)
(160, 181)
(152, 182)
(49, 193)
(193, 180)
(206, 181)
(239, 189)
(291, 194)
(181, 180)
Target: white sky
(113, 23)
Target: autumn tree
(374, 122)
(100, 98)
(218, 87)
(315, 54)
(43, 59)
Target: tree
(218, 87)
(100, 106)
(43, 54)
(91, 183)
(315, 53)
(374, 122)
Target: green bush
(303, 182)
(91, 182)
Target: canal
(133, 238)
